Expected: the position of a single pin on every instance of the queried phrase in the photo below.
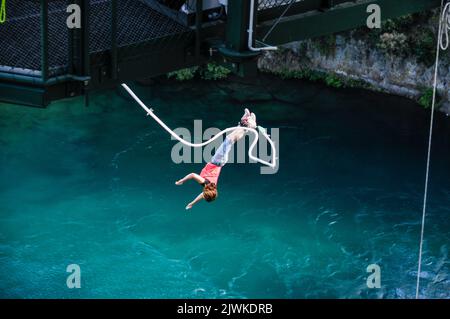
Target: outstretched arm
(194, 176)
(196, 200)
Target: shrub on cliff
(425, 47)
(326, 45)
(426, 100)
(394, 43)
(400, 24)
(183, 74)
(303, 74)
(412, 35)
(334, 81)
(214, 71)
(210, 71)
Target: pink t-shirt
(211, 172)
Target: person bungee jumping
(209, 175)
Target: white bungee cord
(150, 112)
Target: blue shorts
(220, 158)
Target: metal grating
(268, 4)
(137, 22)
(20, 34)
(58, 37)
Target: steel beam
(237, 25)
(44, 39)
(344, 17)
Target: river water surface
(95, 187)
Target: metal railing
(35, 40)
(268, 4)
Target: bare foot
(246, 114)
(180, 182)
(249, 119)
(252, 121)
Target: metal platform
(20, 39)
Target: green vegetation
(326, 44)
(303, 74)
(329, 79)
(394, 44)
(334, 81)
(211, 71)
(411, 36)
(426, 99)
(425, 48)
(183, 74)
(214, 71)
(401, 24)
(420, 45)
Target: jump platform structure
(42, 60)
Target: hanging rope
(3, 11)
(187, 143)
(443, 43)
(278, 20)
(444, 40)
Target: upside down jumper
(209, 175)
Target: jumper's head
(210, 192)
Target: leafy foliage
(183, 74)
(334, 81)
(425, 48)
(394, 43)
(211, 71)
(214, 71)
(426, 100)
(329, 79)
(412, 35)
(326, 44)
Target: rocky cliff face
(353, 57)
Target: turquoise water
(95, 187)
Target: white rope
(444, 39)
(278, 20)
(177, 137)
(444, 26)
